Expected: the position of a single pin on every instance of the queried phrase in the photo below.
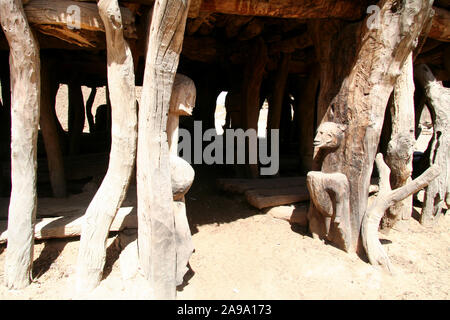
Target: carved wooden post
(109, 197)
(253, 76)
(25, 92)
(438, 101)
(76, 116)
(182, 102)
(156, 232)
(305, 109)
(364, 90)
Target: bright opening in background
(220, 113)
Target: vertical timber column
(25, 92)
(253, 77)
(109, 197)
(49, 129)
(401, 147)
(156, 232)
(76, 117)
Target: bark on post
(156, 232)
(109, 197)
(279, 87)
(386, 198)
(25, 92)
(49, 130)
(364, 92)
(438, 101)
(401, 147)
(76, 117)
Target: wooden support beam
(358, 97)
(299, 9)
(278, 92)
(440, 27)
(71, 226)
(156, 233)
(48, 123)
(305, 108)
(401, 146)
(264, 198)
(25, 91)
(54, 19)
(110, 195)
(76, 116)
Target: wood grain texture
(156, 233)
(112, 191)
(438, 101)
(25, 97)
(53, 19)
(401, 147)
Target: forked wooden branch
(386, 198)
(438, 101)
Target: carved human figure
(329, 192)
(182, 103)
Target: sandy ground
(241, 253)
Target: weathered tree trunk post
(364, 92)
(401, 146)
(76, 117)
(253, 75)
(278, 92)
(305, 108)
(182, 102)
(109, 197)
(50, 132)
(25, 92)
(156, 232)
(438, 101)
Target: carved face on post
(329, 135)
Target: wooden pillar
(305, 109)
(25, 92)
(108, 199)
(49, 130)
(278, 92)
(254, 71)
(156, 233)
(401, 146)
(76, 117)
(438, 101)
